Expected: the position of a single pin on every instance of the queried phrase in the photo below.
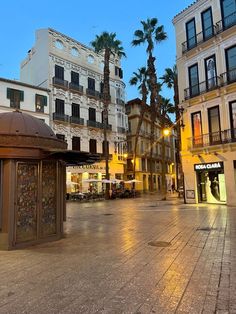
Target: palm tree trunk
(106, 100)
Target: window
(228, 11)
(40, 102)
(75, 108)
(92, 146)
(90, 59)
(118, 72)
(60, 106)
(232, 110)
(75, 78)
(197, 129)
(210, 69)
(76, 143)
(74, 52)
(143, 164)
(15, 96)
(59, 44)
(92, 114)
(207, 24)
(193, 80)
(60, 136)
(91, 83)
(214, 125)
(103, 148)
(191, 34)
(59, 72)
(230, 55)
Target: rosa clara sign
(208, 166)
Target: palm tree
(170, 78)
(141, 78)
(151, 34)
(166, 108)
(107, 44)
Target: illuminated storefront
(210, 182)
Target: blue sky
(82, 20)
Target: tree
(151, 34)
(170, 78)
(107, 44)
(140, 77)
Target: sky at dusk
(83, 20)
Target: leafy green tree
(107, 44)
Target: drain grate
(159, 243)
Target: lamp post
(165, 133)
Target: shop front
(211, 183)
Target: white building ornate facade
(74, 74)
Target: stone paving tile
(105, 265)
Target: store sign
(95, 167)
(209, 166)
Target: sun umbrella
(71, 183)
(133, 181)
(92, 180)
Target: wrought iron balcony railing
(59, 82)
(120, 101)
(228, 77)
(199, 38)
(60, 117)
(226, 23)
(210, 32)
(93, 93)
(76, 120)
(76, 88)
(215, 138)
(121, 130)
(202, 87)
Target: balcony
(203, 87)
(228, 77)
(93, 93)
(60, 117)
(120, 101)
(58, 82)
(201, 37)
(121, 130)
(98, 125)
(210, 139)
(76, 120)
(76, 88)
(226, 23)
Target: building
(15, 95)
(206, 62)
(143, 162)
(74, 74)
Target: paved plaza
(128, 256)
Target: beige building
(74, 74)
(206, 62)
(142, 162)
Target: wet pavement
(128, 256)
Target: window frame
(187, 34)
(212, 25)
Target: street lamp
(165, 132)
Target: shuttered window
(74, 78)
(75, 110)
(59, 72)
(60, 106)
(93, 146)
(92, 114)
(15, 96)
(76, 143)
(91, 83)
(40, 102)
